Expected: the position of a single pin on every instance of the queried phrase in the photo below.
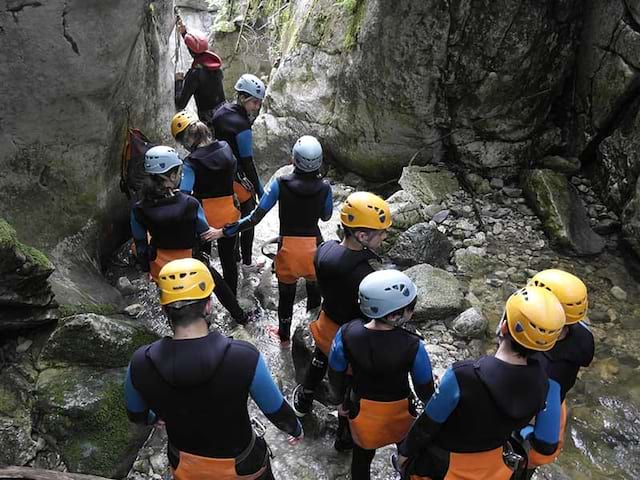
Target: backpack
(132, 172)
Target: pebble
(619, 293)
(497, 228)
(125, 286)
(494, 282)
(497, 183)
(441, 216)
(24, 346)
(512, 192)
(502, 275)
(502, 212)
(134, 310)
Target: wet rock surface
(422, 243)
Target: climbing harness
(271, 241)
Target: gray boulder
(81, 411)
(473, 260)
(422, 243)
(428, 184)
(470, 324)
(406, 210)
(560, 164)
(95, 340)
(562, 213)
(439, 293)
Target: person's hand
(212, 234)
(179, 75)
(402, 461)
(343, 411)
(295, 440)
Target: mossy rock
(561, 211)
(428, 184)
(81, 410)
(95, 340)
(9, 242)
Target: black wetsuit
(209, 173)
(204, 83)
(477, 406)
(231, 124)
(173, 223)
(199, 388)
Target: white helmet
(251, 85)
(307, 154)
(161, 159)
(385, 291)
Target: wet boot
(343, 441)
(284, 330)
(302, 400)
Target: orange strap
(194, 467)
(164, 256)
(536, 459)
(220, 211)
(294, 259)
(242, 193)
(381, 423)
(323, 330)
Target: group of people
(197, 382)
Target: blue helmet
(251, 85)
(307, 154)
(385, 291)
(161, 159)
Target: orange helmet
(535, 318)
(569, 289)
(365, 210)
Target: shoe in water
(274, 332)
(255, 267)
(301, 402)
(343, 444)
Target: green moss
(9, 240)
(357, 10)
(69, 309)
(143, 337)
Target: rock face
(477, 68)
(73, 81)
(563, 216)
(422, 243)
(439, 293)
(26, 299)
(112, 340)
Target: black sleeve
(420, 435)
(425, 391)
(338, 382)
(186, 88)
(286, 420)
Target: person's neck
(506, 354)
(197, 329)
(377, 325)
(352, 244)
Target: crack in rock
(17, 6)
(66, 34)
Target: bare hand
(179, 75)
(343, 411)
(295, 440)
(211, 234)
(180, 26)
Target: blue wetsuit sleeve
(139, 233)
(546, 432)
(337, 358)
(188, 179)
(421, 373)
(443, 402)
(269, 399)
(137, 408)
(244, 140)
(138, 230)
(267, 202)
(201, 221)
(327, 210)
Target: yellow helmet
(570, 290)
(365, 210)
(181, 121)
(183, 280)
(535, 318)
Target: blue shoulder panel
(244, 140)
(134, 401)
(445, 399)
(421, 370)
(337, 358)
(201, 221)
(547, 428)
(188, 179)
(138, 230)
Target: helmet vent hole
(182, 275)
(172, 277)
(202, 286)
(374, 309)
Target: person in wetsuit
(462, 431)
(574, 349)
(303, 198)
(175, 221)
(203, 81)
(208, 175)
(340, 267)
(381, 355)
(232, 123)
(198, 382)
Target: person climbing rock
(381, 355)
(574, 349)
(303, 199)
(340, 267)
(479, 403)
(197, 383)
(174, 221)
(208, 175)
(203, 81)
(232, 123)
